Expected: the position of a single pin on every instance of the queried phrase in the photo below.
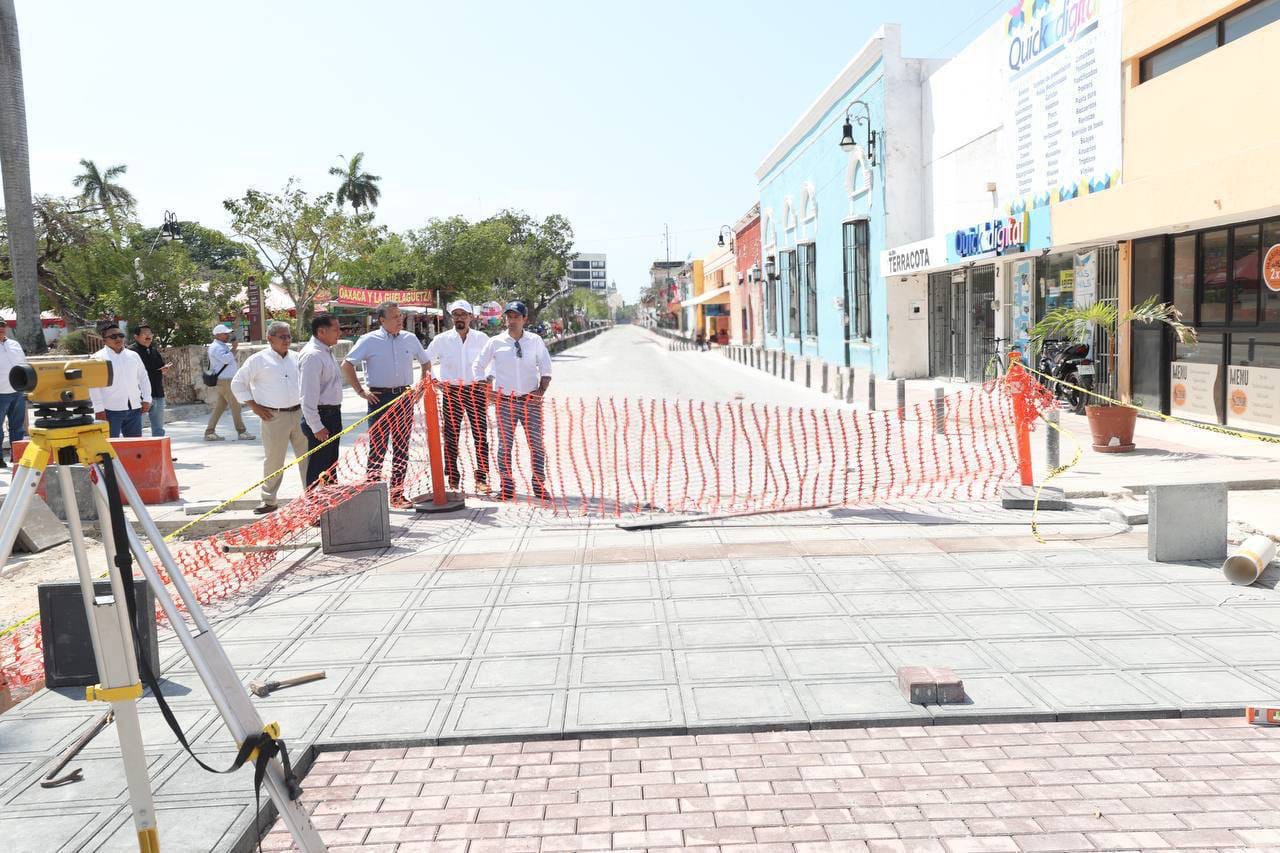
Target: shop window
(1270, 298)
(1245, 279)
(808, 264)
(1184, 277)
(1213, 276)
(1055, 283)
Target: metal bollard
(1052, 442)
(848, 387)
(871, 392)
(902, 398)
(826, 387)
(939, 411)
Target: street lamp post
(847, 142)
(169, 232)
(720, 238)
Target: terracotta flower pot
(1112, 427)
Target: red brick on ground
(1107, 785)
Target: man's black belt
(325, 407)
(286, 409)
(399, 389)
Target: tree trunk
(16, 167)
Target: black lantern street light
(720, 239)
(770, 269)
(847, 142)
(169, 232)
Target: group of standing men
(298, 396)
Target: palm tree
(359, 188)
(100, 188)
(14, 161)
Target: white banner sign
(1085, 278)
(914, 257)
(1193, 391)
(1063, 99)
(1253, 398)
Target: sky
(624, 117)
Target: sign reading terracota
(914, 257)
(1062, 67)
(371, 298)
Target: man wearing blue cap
(519, 369)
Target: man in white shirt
(13, 404)
(321, 395)
(388, 355)
(519, 369)
(222, 363)
(464, 392)
(122, 403)
(269, 383)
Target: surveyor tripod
(65, 436)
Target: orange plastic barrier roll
(149, 462)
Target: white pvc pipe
(1250, 560)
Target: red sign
(1271, 268)
(372, 298)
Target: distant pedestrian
(122, 403)
(13, 404)
(700, 341)
(154, 362)
(321, 395)
(269, 383)
(519, 367)
(464, 391)
(222, 364)
(388, 354)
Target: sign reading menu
(1253, 398)
(1063, 99)
(1193, 391)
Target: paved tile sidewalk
(1109, 785)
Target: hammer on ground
(52, 779)
(266, 688)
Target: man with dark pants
(153, 361)
(122, 403)
(463, 391)
(519, 366)
(388, 354)
(13, 404)
(321, 395)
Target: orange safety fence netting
(609, 456)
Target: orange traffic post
(440, 499)
(1023, 411)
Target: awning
(718, 295)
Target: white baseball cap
(463, 304)
(221, 329)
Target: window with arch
(791, 286)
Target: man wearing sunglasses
(519, 369)
(122, 403)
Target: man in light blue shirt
(223, 364)
(388, 355)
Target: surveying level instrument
(66, 434)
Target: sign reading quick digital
(1001, 236)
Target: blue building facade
(825, 213)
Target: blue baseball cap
(518, 307)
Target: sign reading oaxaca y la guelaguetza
(371, 298)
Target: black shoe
(263, 509)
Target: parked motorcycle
(1071, 369)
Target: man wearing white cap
(454, 353)
(222, 364)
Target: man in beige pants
(222, 363)
(269, 382)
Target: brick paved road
(1111, 785)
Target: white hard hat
(463, 304)
(221, 329)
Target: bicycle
(998, 364)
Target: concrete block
(359, 523)
(917, 685)
(82, 489)
(1024, 497)
(199, 507)
(41, 529)
(1187, 521)
(949, 687)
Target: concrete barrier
(1187, 522)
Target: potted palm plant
(1111, 424)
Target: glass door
(982, 321)
(958, 327)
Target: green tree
(387, 261)
(358, 187)
(15, 163)
(100, 188)
(302, 240)
(538, 261)
(210, 249)
(172, 293)
(464, 258)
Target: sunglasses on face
(114, 337)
